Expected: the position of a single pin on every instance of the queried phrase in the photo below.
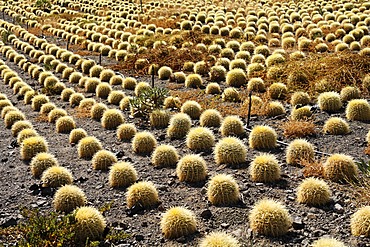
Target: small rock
(46, 191)
(41, 203)
(311, 216)
(338, 208)
(181, 239)
(9, 222)
(144, 224)
(3, 160)
(206, 214)
(34, 187)
(298, 224)
(139, 237)
(291, 198)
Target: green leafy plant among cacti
(147, 101)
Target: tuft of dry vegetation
(298, 128)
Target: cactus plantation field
(185, 123)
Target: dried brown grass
(312, 169)
(298, 129)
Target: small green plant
(43, 4)
(147, 101)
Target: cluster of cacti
(200, 139)
(231, 151)
(143, 142)
(177, 222)
(191, 168)
(56, 176)
(299, 150)
(142, 195)
(68, 197)
(223, 190)
(262, 137)
(265, 168)
(270, 218)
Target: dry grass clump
(298, 128)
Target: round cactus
(12, 117)
(223, 190)
(265, 168)
(349, 93)
(193, 81)
(68, 197)
(126, 132)
(329, 101)
(19, 126)
(122, 174)
(217, 239)
(47, 108)
(179, 126)
(313, 191)
(217, 73)
(91, 85)
(340, 168)
(164, 73)
(87, 103)
(103, 90)
(66, 94)
(256, 85)
(178, 222)
(4, 103)
(172, 102)
(116, 80)
(262, 137)
(358, 109)
(200, 139)
(103, 159)
(159, 118)
(191, 168)
(38, 101)
(236, 78)
(300, 98)
(76, 135)
(8, 109)
(230, 150)
(90, 224)
(270, 218)
(65, 124)
(142, 194)
(165, 156)
(141, 87)
(129, 83)
(143, 142)
(336, 126)
(360, 222)
(115, 97)
(328, 242)
(75, 99)
(192, 108)
(31, 146)
(88, 146)
(232, 126)
(56, 176)
(299, 150)
(24, 134)
(301, 113)
(274, 108)
(97, 111)
(41, 162)
(277, 90)
(213, 88)
(231, 94)
(55, 114)
(210, 118)
(112, 118)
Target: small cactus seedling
(270, 218)
(103, 159)
(143, 142)
(299, 150)
(178, 222)
(41, 162)
(340, 168)
(24, 134)
(112, 118)
(31, 146)
(328, 242)
(142, 194)
(76, 135)
(231, 151)
(262, 137)
(313, 191)
(97, 111)
(191, 168)
(200, 139)
(68, 197)
(159, 118)
(223, 190)
(165, 156)
(88, 146)
(232, 126)
(179, 126)
(336, 126)
(329, 102)
(122, 174)
(90, 224)
(210, 118)
(219, 239)
(360, 222)
(265, 168)
(65, 124)
(56, 176)
(192, 108)
(358, 109)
